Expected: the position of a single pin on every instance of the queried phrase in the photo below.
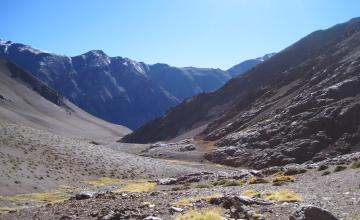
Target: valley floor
(47, 176)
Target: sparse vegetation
(205, 214)
(322, 167)
(256, 180)
(254, 215)
(141, 186)
(283, 179)
(191, 200)
(103, 181)
(202, 186)
(283, 195)
(325, 173)
(250, 193)
(55, 196)
(8, 209)
(179, 188)
(125, 185)
(339, 168)
(227, 182)
(355, 165)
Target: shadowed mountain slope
(300, 104)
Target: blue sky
(203, 33)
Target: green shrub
(355, 165)
(233, 183)
(339, 168)
(325, 173)
(179, 188)
(322, 167)
(202, 186)
(227, 182)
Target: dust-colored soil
(34, 160)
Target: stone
(187, 147)
(167, 181)
(310, 212)
(294, 170)
(176, 209)
(82, 196)
(152, 218)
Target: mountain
(302, 104)
(188, 81)
(116, 89)
(26, 100)
(247, 64)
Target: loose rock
(310, 212)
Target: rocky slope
(302, 104)
(117, 89)
(27, 101)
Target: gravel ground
(337, 192)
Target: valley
(69, 178)
(100, 137)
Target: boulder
(167, 181)
(82, 196)
(187, 147)
(176, 209)
(310, 212)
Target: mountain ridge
(116, 89)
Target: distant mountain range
(117, 89)
(247, 64)
(302, 104)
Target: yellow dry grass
(254, 215)
(20, 201)
(105, 181)
(54, 196)
(63, 193)
(142, 186)
(283, 179)
(256, 180)
(204, 214)
(123, 184)
(282, 195)
(8, 209)
(249, 193)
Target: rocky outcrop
(313, 121)
(35, 84)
